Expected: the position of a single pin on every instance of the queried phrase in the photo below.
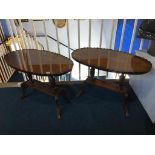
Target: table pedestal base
(50, 89)
(118, 88)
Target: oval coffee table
(112, 61)
(42, 63)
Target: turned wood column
(53, 83)
(92, 72)
(121, 81)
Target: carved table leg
(121, 81)
(58, 92)
(56, 97)
(125, 94)
(84, 85)
(53, 90)
(58, 107)
(53, 84)
(24, 86)
(126, 104)
(30, 76)
(65, 96)
(82, 89)
(92, 72)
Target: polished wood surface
(43, 63)
(112, 60)
(32, 60)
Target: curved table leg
(64, 94)
(52, 90)
(125, 94)
(23, 86)
(84, 85)
(92, 72)
(58, 107)
(82, 89)
(125, 104)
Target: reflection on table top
(111, 60)
(39, 62)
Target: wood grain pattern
(59, 64)
(112, 60)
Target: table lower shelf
(115, 87)
(106, 84)
(43, 87)
(52, 90)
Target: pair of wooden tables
(45, 63)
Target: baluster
(13, 39)
(133, 35)
(57, 36)
(47, 45)
(5, 51)
(3, 63)
(21, 32)
(141, 44)
(121, 40)
(111, 45)
(110, 42)
(36, 43)
(122, 35)
(89, 43)
(78, 22)
(1, 74)
(2, 32)
(33, 43)
(7, 71)
(68, 39)
(34, 34)
(3, 70)
(18, 33)
(100, 43)
(111, 35)
(11, 32)
(26, 45)
(58, 45)
(30, 41)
